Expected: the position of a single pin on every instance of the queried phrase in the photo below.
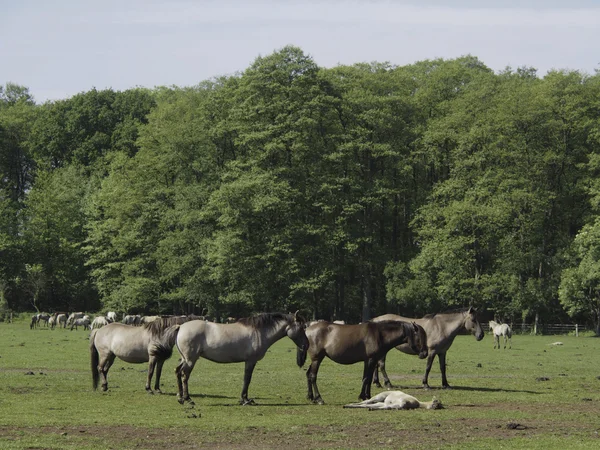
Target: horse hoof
(377, 384)
(318, 401)
(246, 402)
(388, 385)
(446, 387)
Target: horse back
(217, 342)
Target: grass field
(535, 396)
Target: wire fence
(549, 328)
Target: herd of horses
(248, 339)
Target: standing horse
(246, 340)
(501, 329)
(441, 330)
(349, 344)
(151, 343)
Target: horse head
(295, 331)
(420, 341)
(472, 324)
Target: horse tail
(301, 355)
(163, 348)
(95, 360)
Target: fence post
(576, 330)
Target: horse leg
(159, 366)
(151, 366)
(248, 369)
(442, 360)
(369, 367)
(430, 359)
(103, 367)
(311, 377)
(386, 379)
(183, 370)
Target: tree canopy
(345, 192)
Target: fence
(549, 328)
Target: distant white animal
(61, 320)
(395, 400)
(99, 322)
(111, 316)
(501, 329)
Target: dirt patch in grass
(433, 432)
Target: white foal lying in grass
(395, 400)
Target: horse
(111, 316)
(395, 400)
(61, 319)
(99, 322)
(73, 316)
(246, 340)
(349, 344)
(441, 329)
(152, 343)
(501, 329)
(81, 322)
(34, 321)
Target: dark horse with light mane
(441, 330)
(246, 340)
(152, 343)
(349, 344)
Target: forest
(343, 192)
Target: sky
(58, 48)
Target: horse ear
(415, 326)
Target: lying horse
(349, 344)
(395, 400)
(151, 343)
(501, 329)
(246, 340)
(441, 330)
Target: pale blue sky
(58, 48)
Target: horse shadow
(480, 389)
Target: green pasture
(535, 396)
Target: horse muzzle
(423, 354)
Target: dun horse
(395, 400)
(501, 329)
(152, 343)
(441, 330)
(349, 344)
(246, 340)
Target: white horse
(99, 322)
(111, 316)
(73, 316)
(501, 329)
(61, 320)
(395, 400)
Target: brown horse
(349, 344)
(152, 343)
(246, 340)
(441, 330)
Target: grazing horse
(246, 340)
(151, 343)
(441, 330)
(349, 344)
(395, 400)
(111, 316)
(81, 322)
(61, 319)
(501, 329)
(99, 322)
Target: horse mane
(265, 320)
(157, 327)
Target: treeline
(343, 192)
